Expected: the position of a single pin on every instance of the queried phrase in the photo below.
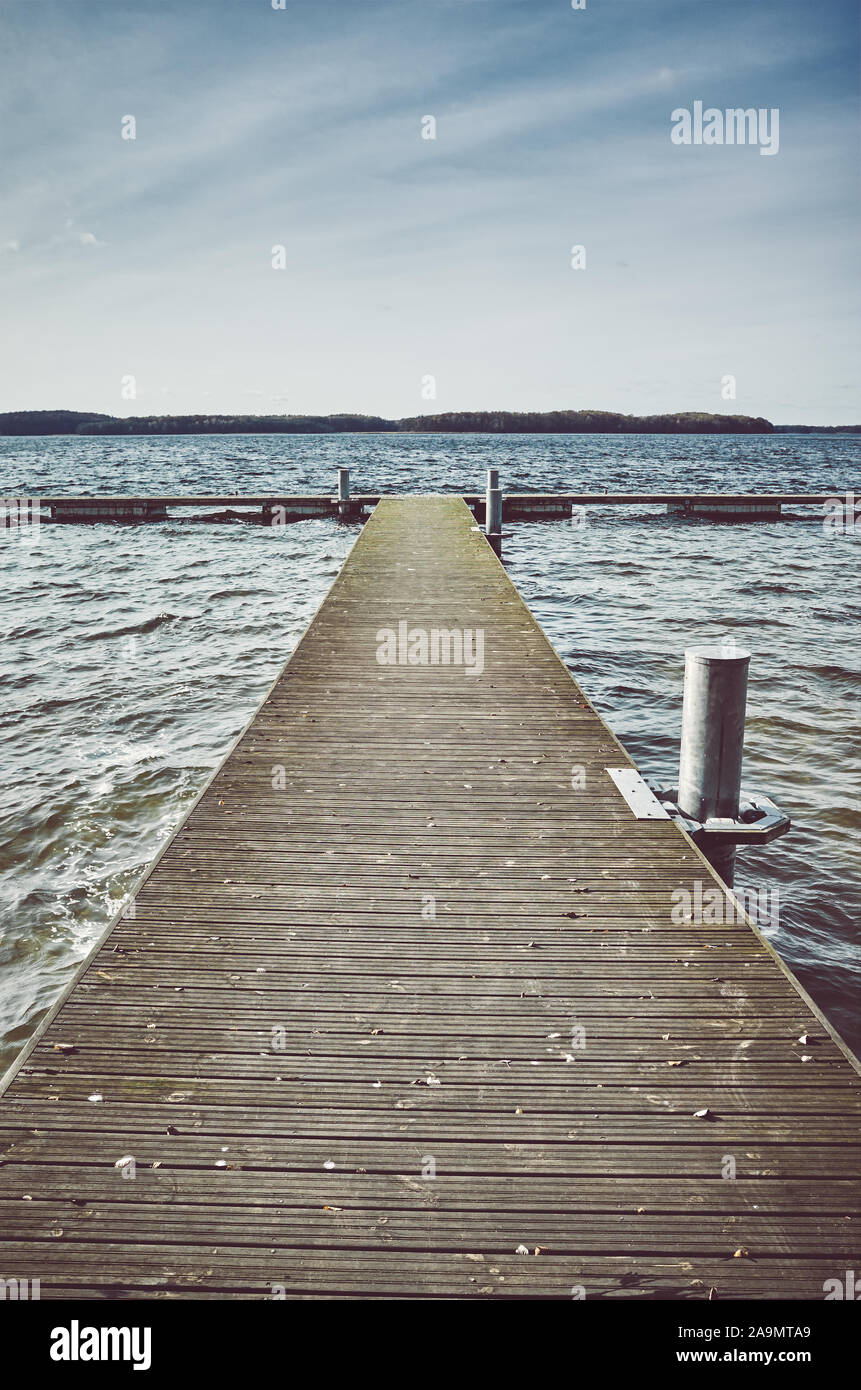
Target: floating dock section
(275, 509)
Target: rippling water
(133, 655)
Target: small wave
(22, 634)
(840, 673)
(239, 593)
(136, 629)
(764, 586)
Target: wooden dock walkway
(402, 1009)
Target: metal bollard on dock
(712, 731)
(343, 494)
(493, 510)
(710, 757)
(709, 802)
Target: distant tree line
(38, 422)
(817, 429)
(238, 424)
(83, 422)
(584, 422)
(47, 421)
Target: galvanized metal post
(343, 493)
(712, 739)
(493, 510)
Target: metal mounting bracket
(758, 821)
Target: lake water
(132, 656)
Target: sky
(423, 275)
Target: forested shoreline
(47, 422)
(452, 422)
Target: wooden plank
(284, 1036)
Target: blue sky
(409, 258)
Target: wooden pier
(406, 1007)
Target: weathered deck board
(296, 1158)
